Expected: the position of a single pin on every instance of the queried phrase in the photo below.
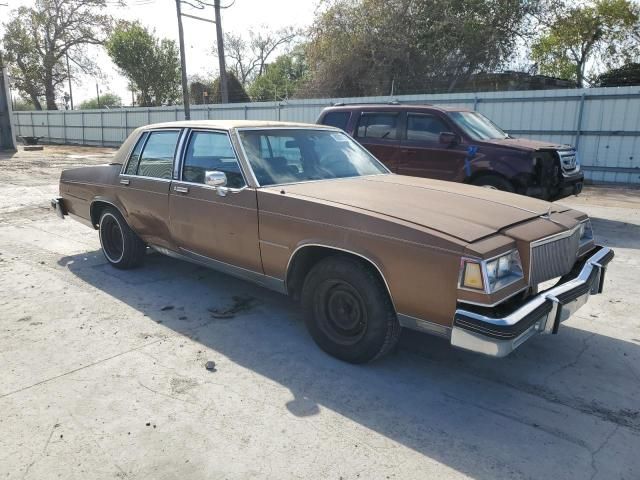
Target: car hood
(526, 144)
(462, 211)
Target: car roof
(395, 107)
(233, 124)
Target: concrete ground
(103, 371)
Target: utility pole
(183, 64)
(224, 92)
(69, 77)
(98, 94)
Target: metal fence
(603, 123)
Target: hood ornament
(547, 216)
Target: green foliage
(152, 65)
(108, 100)
(627, 75)
(280, 79)
(363, 47)
(22, 105)
(604, 31)
(37, 40)
(237, 93)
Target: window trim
(365, 113)
(183, 153)
(405, 133)
(149, 132)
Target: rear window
(156, 160)
(337, 119)
(378, 125)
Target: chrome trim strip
(133, 146)
(271, 283)
(128, 175)
(426, 326)
(339, 250)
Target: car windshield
(280, 156)
(477, 126)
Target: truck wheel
(120, 245)
(494, 181)
(348, 310)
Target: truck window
(337, 119)
(377, 125)
(425, 127)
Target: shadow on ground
(616, 233)
(555, 399)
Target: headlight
(586, 233)
(493, 274)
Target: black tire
(494, 181)
(348, 311)
(120, 245)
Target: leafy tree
(603, 31)
(281, 78)
(247, 59)
(22, 105)
(37, 40)
(107, 100)
(237, 93)
(369, 47)
(150, 64)
(627, 75)
(200, 90)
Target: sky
(239, 18)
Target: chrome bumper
(542, 313)
(58, 207)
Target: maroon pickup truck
(458, 145)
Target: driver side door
(214, 224)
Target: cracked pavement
(104, 371)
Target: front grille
(554, 258)
(569, 161)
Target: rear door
(219, 224)
(144, 185)
(379, 132)
(422, 154)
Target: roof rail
(390, 102)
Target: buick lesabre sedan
(308, 212)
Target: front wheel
(348, 310)
(120, 245)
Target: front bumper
(543, 313)
(58, 206)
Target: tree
(38, 39)
(237, 93)
(150, 64)
(627, 75)
(107, 100)
(281, 78)
(604, 31)
(22, 105)
(371, 47)
(247, 58)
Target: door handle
(181, 189)
(124, 181)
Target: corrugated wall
(604, 123)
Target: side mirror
(215, 179)
(449, 138)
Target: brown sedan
(306, 211)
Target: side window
(425, 127)
(157, 157)
(337, 119)
(209, 151)
(378, 125)
(134, 159)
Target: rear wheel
(120, 245)
(495, 182)
(348, 310)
